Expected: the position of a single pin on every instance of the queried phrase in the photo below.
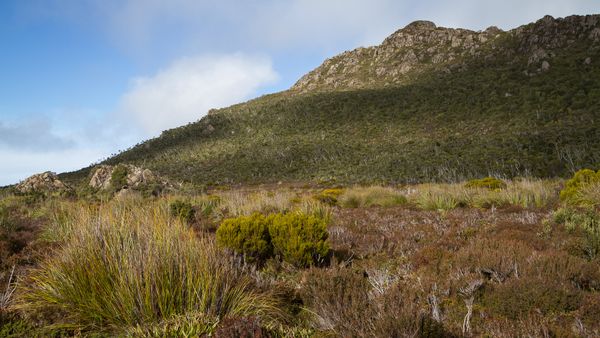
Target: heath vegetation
(437, 260)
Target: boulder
(135, 177)
(44, 183)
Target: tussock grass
(441, 196)
(371, 196)
(526, 193)
(244, 204)
(126, 264)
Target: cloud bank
(33, 135)
(184, 91)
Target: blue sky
(82, 79)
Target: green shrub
(299, 239)
(490, 183)
(573, 187)
(14, 328)
(586, 221)
(329, 196)
(247, 235)
(184, 210)
(118, 179)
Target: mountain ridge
(422, 45)
(521, 103)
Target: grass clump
(372, 196)
(297, 238)
(525, 193)
(247, 235)
(184, 210)
(441, 197)
(130, 265)
(490, 183)
(572, 193)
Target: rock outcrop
(421, 47)
(135, 177)
(43, 183)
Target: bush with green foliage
(490, 183)
(184, 210)
(247, 235)
(329, 196)
(299, 239)
(585, 221)
(571, 194)
(118, 178)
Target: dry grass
(526, 193)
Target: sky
(83, 79)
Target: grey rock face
(44, 182)
(422, 46)
(136, 177)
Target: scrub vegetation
(282, 261)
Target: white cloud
(188, 88)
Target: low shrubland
(416, 260)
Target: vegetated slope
(461, 104)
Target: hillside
(428, 104)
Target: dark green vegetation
(184, 210)
(296, 238)
(479, 116)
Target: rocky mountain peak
(421, 47)
(419, 25)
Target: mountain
(428, 104)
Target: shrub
(129, 264)
(519, 297)
(247, 235)
(490, 183)
(118, 179)
(298, 238)
(329, 196)
(582, 178)
(586, 221)
(184, 210)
